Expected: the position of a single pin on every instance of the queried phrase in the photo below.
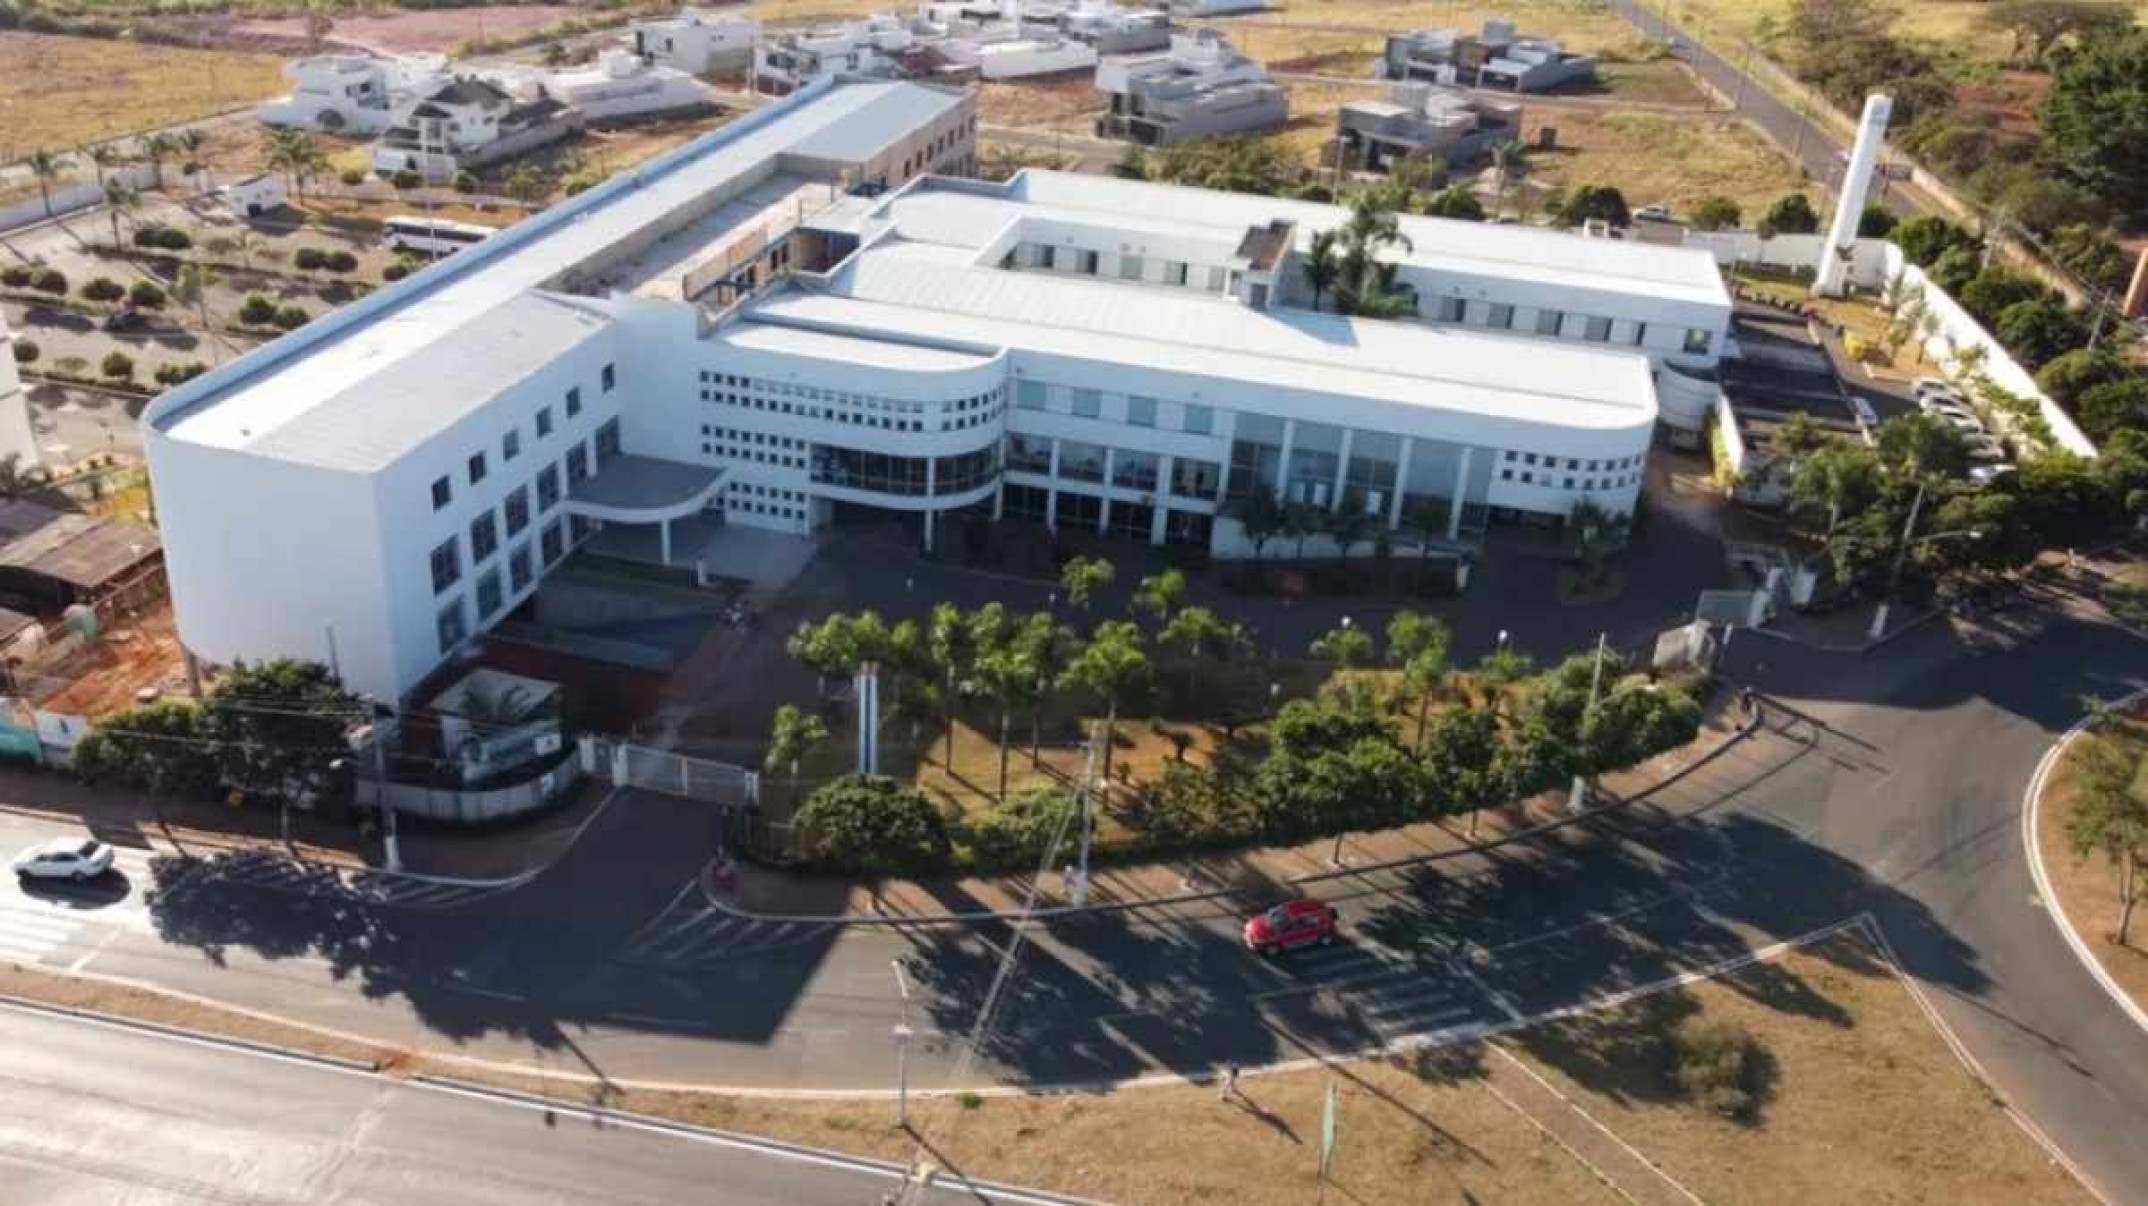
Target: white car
(64, 858)
(1863, 412)
(1933, 385)
(1658, 212)
(1960, 422)
(1984, 475)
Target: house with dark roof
(468, 122)
(52, 559)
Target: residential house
(1201, 87)
(1494, 58)
(1425, 121)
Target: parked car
(64, 858)
(1966, 424)
(1657, 212)
(1987, 450)
(1933, 385)
(1947, 398)
(1984, 475)
(1291, 925)
(1862, 411)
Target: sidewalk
(1239, 880)
(194, 827)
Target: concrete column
(1163, 492)
(1051, 493)
(932, 466)
(664, 540)
(1282, 464)
(1461, 493)
(1342, 470)
(999, 501)
(1103, 510)
(1402, 475)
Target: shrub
(307, 259)
(406, 179)
(26, 351)
(171, 238)
(1924, 240)
(49, 280)
(257, 311)
(2068, 377)
(1019, 832)
(2038, 331)
(146, 236)
(146, 294)
(351, 177)
(1597, 201)
(395, 272)
(339, 261)
(1718, 1065)
(118, 366)
(102, 289)
(871, 825)
(1792, 213)
(291, 318)
(2111, 406)
(15, 276)
(465, 182)
(1876, 222)
(1716, 213)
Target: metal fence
(650, 769)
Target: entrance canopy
(644, 489)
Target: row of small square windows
(814, 412)
(511, 443)
(1591, 466)
(1528, 478)
(753, 505)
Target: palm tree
(190, 287)
(1109, 667)
(46, 167)
(1349, 524)
(1507, 159)
(156, 148)
(1044, 644)
(101, 155)
(1202, 635)
(119, 199)
(192, 141)
(1322, 267)
(1010, 677)
(948, 636)
(792, 736)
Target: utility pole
(1894, 576)
(1578, 796)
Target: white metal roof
(263, 399)
(1549, 257)
(1510, 378)
(845, 349)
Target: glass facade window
(577, 465)
(1134, 470)
(1031, 395)
(1080, 510)
(547, 487)
(1141, 412)
(518, 567)
(1195, 479)
(488, 593)
(1130, 267)
(1501, 317)
(443, 493)
(544, 421)
(1451, 309)
(484, 537)
(1088, 404)
(477, 467)
(1548, 322)
(574, 401)
(1030, 454)
(1025, 502)
(446, 565)
(452, 626)
(1256, 455)
(555, 541)
(874, 471)
(967, 471)
(1598, 330)
(1081, 462)
(510, 445)
(1371, 475)
(607, 442)
(1200, 420)
(518, 511)
(1131, 520)
(1315, 464)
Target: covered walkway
(647, 491)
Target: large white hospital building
(811, 313)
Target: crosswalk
(30, 936)
(1384, 993)
(691, 933)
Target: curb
(705, 880)
(121, 1021)
(1858, 649)
(2032, 845)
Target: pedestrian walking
(1745, 702)
(1227, 1084)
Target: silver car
(64, 858)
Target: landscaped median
(1812, 1073)
(2086, 826)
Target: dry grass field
(1953, 25)
(59, 93)
(1654, 157)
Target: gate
(628, 765)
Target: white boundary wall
(1872, 265)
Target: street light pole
(1894, 576)
(902, 1049)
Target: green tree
(1010, 676)
(282, 729)
(873, 826)
(1366, 286)
(1420, 644)
(1876, 221)
(1496, 671)
(1082, 577)
(190, 287)
(2106, 409)
(156, 147)
(1717, 213)
(1048, 647)
(118, 366)
(2110, 816)
(1323, 263)
(1109, 667)
(951, 640)
(120, 202)
(1349, 524)
(1456, 201)
(1792, 213)
(2039, 27)
(2093, 122)
(2037, 332)
(1925, 239)
(1201, 635)
(44, 168)
(162, 750)
(1161, 595)
(1599, 202)
(1461, 756)
(1841, 479)
(2071, 374)
(1261, 516)
(1349, 647)
(791, 736)
(1920, 447)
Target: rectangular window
(608, 378)
(1174, 272)
(555, 541)
(443, 493)
(1081, 462)
(547, 488)
(1548, 322)
(484, 538)
(518, 567)
(1195, 479)
(1087, 404)
(518, 511)
(1501, 317)
(1030, 395)
(477, 467)
(447, 565)
(577, 465)
(1640, 333)
(1698, 342)
(1218, 280)
(574, 401)
(1129, 267)
(1141, 412)
(488, 593)
(1451, 309)
(1087, 263)
(1200, 420)
(510, 445)
(607, 441)
(544, 421)
(451, 626)
(1598, 330)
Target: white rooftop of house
(340, 391)
(973, 217)
(887, 292)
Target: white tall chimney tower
(1832, 270)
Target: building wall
(17, 438)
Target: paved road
(92, 1113)
(1885, 786)
(1807, 142)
